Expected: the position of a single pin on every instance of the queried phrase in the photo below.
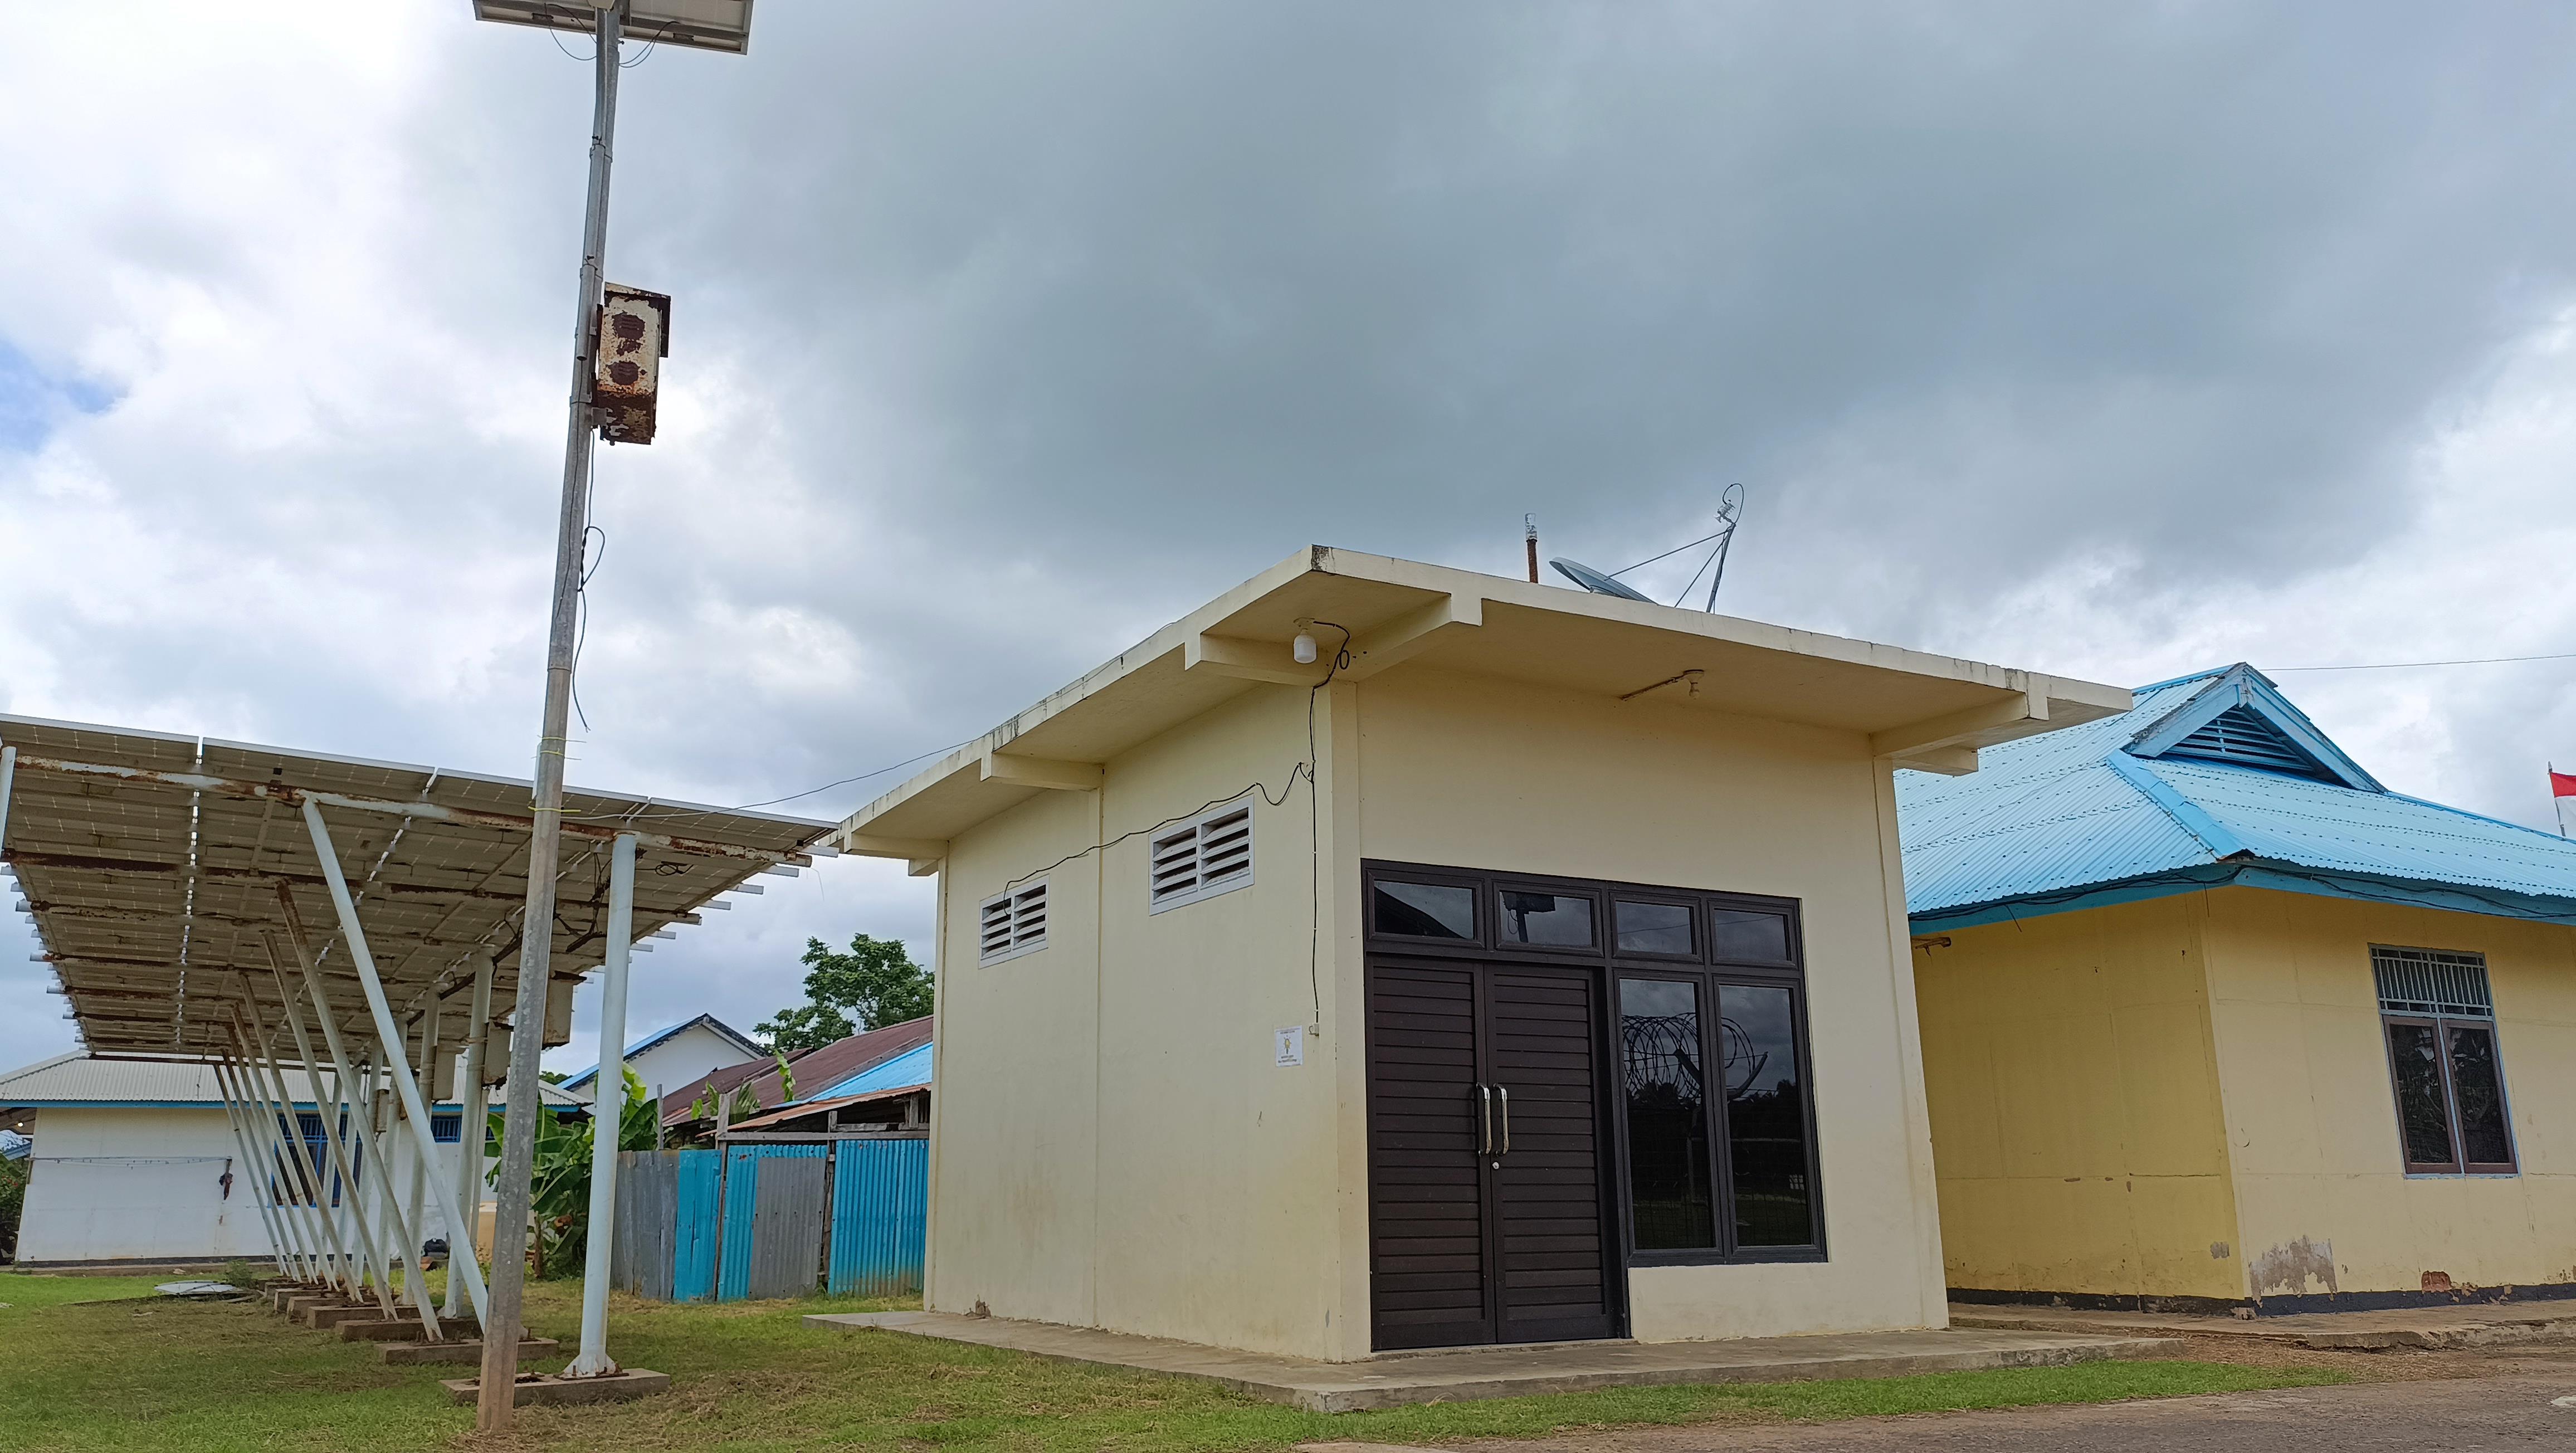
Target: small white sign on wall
(1292, 1045)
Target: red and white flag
(2563, 787)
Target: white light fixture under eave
(723, 25)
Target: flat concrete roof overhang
(1918, 709)
(162, 871)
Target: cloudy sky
(2116, 342)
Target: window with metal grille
(446, 1126)
(1208, 856)
(1011, 924)
(2247, 738)
(2439, 1016)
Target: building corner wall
(2072, 1073)
(1931, 1281)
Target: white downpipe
(473, 1113)
(387, 1032)
(607, 1114)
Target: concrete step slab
(468, 1352)
(535, 1389)
(326, 1318)
(2443, 1328)
(1492, 1372)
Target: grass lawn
(97, 1363)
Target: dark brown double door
(1487, 1155)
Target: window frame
(1606, 958)
(2459, 1166)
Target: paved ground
(1488, 1372)
(2512, 1409)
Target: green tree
(873, 984)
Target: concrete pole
(353, 936)
(496, 1397)
(343, 1084)
(607, 1114)
(279, 1250)
(472, 1112)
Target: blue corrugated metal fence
(729, 1240)
(880, 1204)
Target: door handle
(1484, 1119)
(1505, 1094)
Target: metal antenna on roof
(1730, 513)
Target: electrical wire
(2413, 665)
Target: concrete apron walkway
(2490, 1324)
(1396, 1379)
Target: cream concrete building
(1334, 1005)
(2211, 1017)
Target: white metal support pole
(399, 1235)
(607, 1114)
(496, 1396)
(342, 1086)
(354, 937)
(472, 1113)
(259, 1126)
(401, 1206)
(278, 1109)
(272, 1113)
(427, 1070)
(279, 1250)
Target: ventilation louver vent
(1210, 856)
(1013, 924)
(2241, 735)
(2432, 981)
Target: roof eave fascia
(2251, 872)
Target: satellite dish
(1594, 581)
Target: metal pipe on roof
(607, 1115)
(354, 935)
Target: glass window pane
(1552, 920)
(1654, 928)
(1668, 1180)
(2480, 1094)
(1736, 933)
(1766, 1118)
(1426, 910)
(2423, 1119)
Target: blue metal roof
(910, 1068)
(2128, 807)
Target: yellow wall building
(1335, 1005)
(2211, 1017)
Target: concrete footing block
(410, 1354)
(379, 1329)
(325, 1318)
(535, 1389)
